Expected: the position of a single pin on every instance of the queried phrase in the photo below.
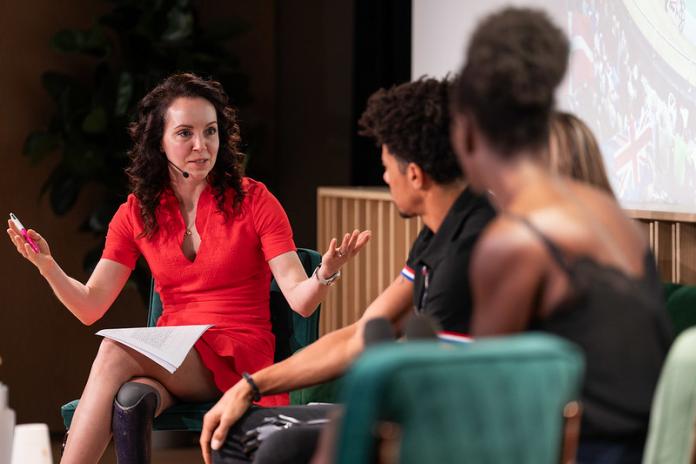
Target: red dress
(228, 282)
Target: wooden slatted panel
(341, 210)
(663, 249)
(686, 253)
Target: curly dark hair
(413, 121)
(516, 59)
(148, 172)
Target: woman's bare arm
(88, 302)
(506, 276)
(305, 293)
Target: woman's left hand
(337, 255)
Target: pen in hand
(23, 231)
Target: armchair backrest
(681, 305)
(672, 430)
(292, 331)
(495, 400)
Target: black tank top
(621, 323)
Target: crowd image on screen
(642, 110)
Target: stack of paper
(167, 346)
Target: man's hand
(222, 416)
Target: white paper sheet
(167, 346)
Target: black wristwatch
(255, 392)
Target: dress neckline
(202, 217)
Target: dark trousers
(294, 445)
(610, 452)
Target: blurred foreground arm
(323, 360)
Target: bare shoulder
(506, 242)
(509, 265)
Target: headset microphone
(183, 173)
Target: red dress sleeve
(272, 224)
(120, 244)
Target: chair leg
(388, 442)
(131, 424)
(571, 432)
(64, 442)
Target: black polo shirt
(438, 264)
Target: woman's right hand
(40, 259)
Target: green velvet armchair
(681, 305)
(509, 399)
(672, 432)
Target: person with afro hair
(410, 122)
(561, 256)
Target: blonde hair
(574, 151)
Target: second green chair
(492, 401)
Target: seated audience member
(574, 151)
(411, 124)
(560, 256)
(212, 239)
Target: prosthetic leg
(131, 424)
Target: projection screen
(632, 78)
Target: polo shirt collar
(449, 230)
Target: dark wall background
(382, 50)
(311, 65)
(313, 114)
(330, 56)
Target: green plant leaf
(70, 96)
(92, 257)
(85, 158)
(91, 42)
(64, 192)
(124, 93)
(57, 83)
(95, 122)
(179, 25)
(49, 182)
(66, 40)
(38, 144)
(100, 216)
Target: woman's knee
(113, 357)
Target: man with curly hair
(411, 124)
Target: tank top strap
(552, 248)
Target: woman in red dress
(212, 239)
